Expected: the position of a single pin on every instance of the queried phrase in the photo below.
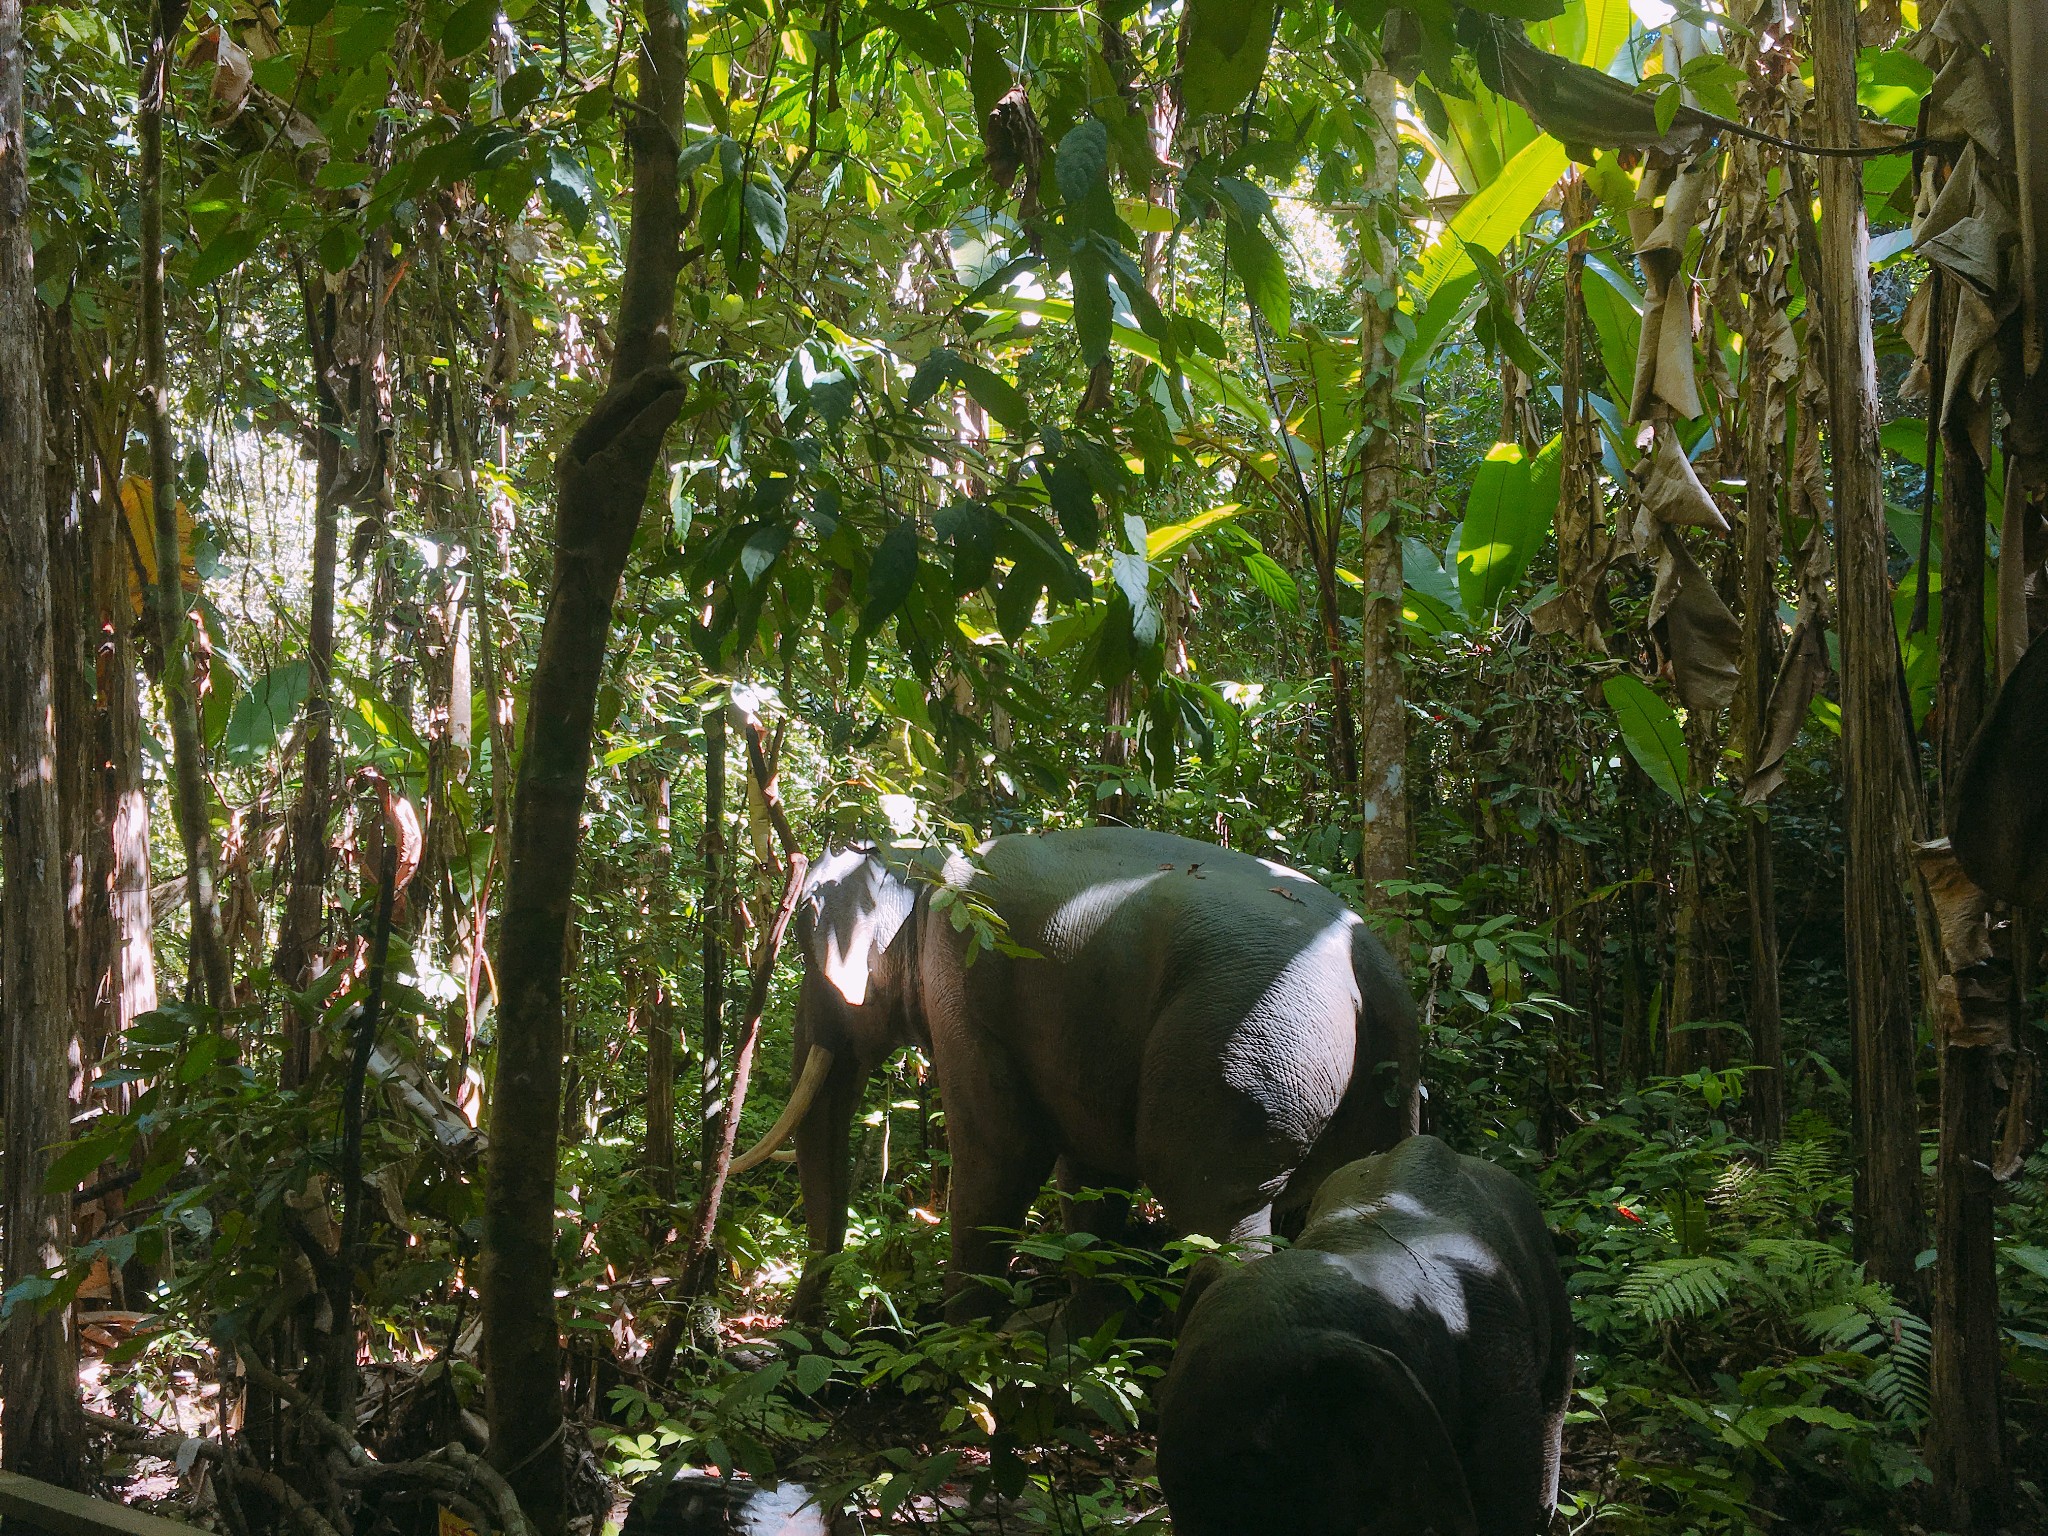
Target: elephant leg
(1108, 1219)
(1217, 1152)
(1512, 1462)
(825, 1166)
(1003, 1148)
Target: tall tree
(1890, 1213)
(189, 793)
(39, 1421)
(600, 494)
(306, 895)
(1382, 703)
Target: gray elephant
(1218, 1027)
(1402, 1369)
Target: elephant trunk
(817, 1067)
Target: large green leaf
(1492, 216)
(264, 712)
(1615, 307)
(1259, 267)
(1160, 543)
(1507, 515)
(1651, 732)
(1224, 48)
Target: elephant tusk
(816, 1066)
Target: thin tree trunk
(1890, 1211)
(712, 906)
(1964, 1450)
(89, 936)
(39, 1413)
(1382, 701)
(657, 1007)
(1759, 667)
(1963, 681)
(602, 490)
(306, 899)
(189, 794)
(120, 869)
(1965, 1425)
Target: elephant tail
(1329, 1433)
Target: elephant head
(856, 1006)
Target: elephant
(1403, 1368)
(1216, 1026)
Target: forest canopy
(746, 739)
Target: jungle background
(491, 488)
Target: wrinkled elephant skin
(1402, 1369)
(1220, 1028)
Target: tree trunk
(39, 1415)
(602, 490)
(1762, 408)
(1382, 702)
(1890, 1216)
(89, 934)
(1963, 683)
(190, 796)
(119, 868)
(711, 906)
(656, 1004)
(305, 901)
(1964, 1429)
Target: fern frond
(1681, 1289)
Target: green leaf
(1082, 165)
(988, 72)
(1224, 49)
(223, 254)
(993, 393)
(1505, 521)
(1073, 500)
(812, 1372)
(1017, 599)
(762, 546)
(1669, 100)
(264, 713)
(1493, 215)
(1258, 266)
(1271, 578)
(339, 247)
(891, 575)
(1165, 541)
(467, 28)
(767, 216)
(1094, 312)
(1651, 732)
(565, 183)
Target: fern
(1682, 1289)
(1869, 1322)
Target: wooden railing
(24, 1502)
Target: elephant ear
(862, 904)
(1403, 1423)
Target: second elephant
(1216, 1026)
(1402, 1369)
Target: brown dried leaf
(1697, 631)
(1670, 489)
(1998, 816)
(1800, 676)
(1961, 909)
